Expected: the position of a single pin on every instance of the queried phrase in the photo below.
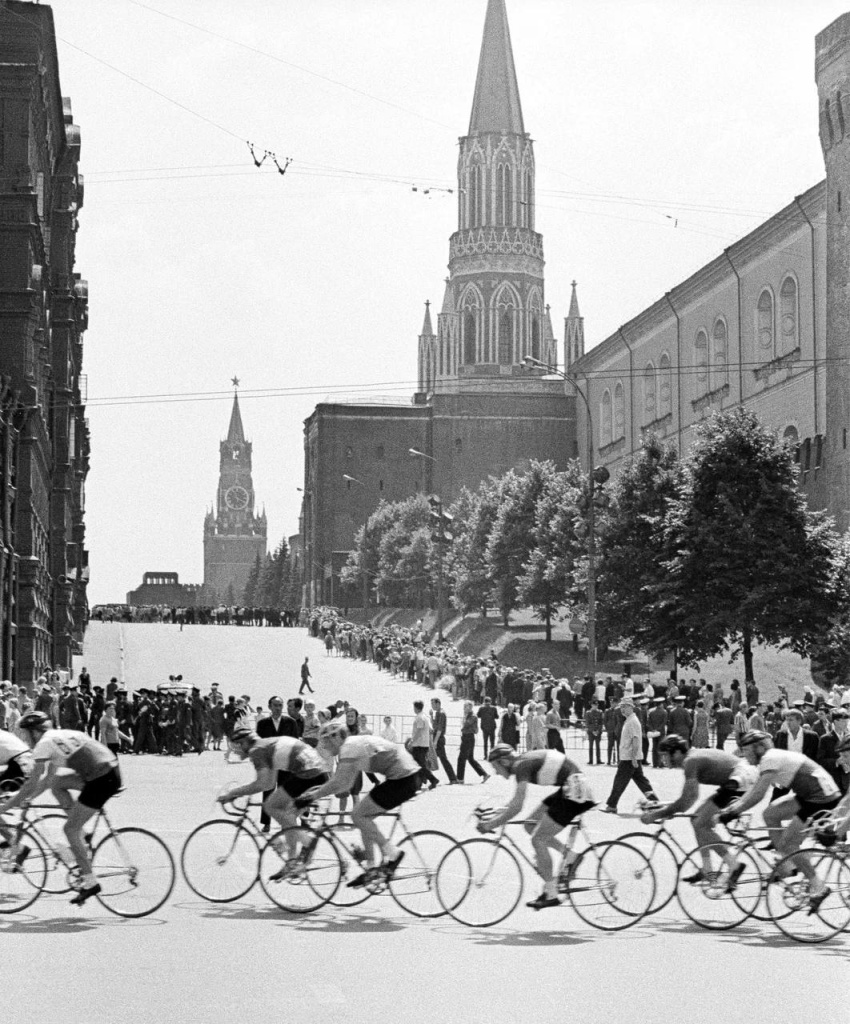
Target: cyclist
(16, 762)
(571, 798)
(401, 781)
(703, 765)
(93, 771)
(288, 767)
(812, 789)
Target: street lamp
(363, 574)
(440, 536)
(594, 476)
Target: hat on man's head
(626, 702)
(683, 699)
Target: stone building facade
(234, 534)
(478, 409)
(766, 325)
(44, 434)
(163, 588)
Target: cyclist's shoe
(361, 880)
(697, 876)
(389, 866)
(543, 901)
(734, 877)
(815, 901)
(359, 854)
(85, 894)
(292, 869)
(608, 810)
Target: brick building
(44, 437)
(765, 325)
(478, 410)
(159, 588)
(233, 534)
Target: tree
(548, 576)
(511, 538)
(249, 595)
(831, 652)
(404, 552)
(746, 559)
(474, 514)
(632, 548)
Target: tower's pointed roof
(427, 329)
(496, 106)
(574, 313)
(235, 433)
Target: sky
(664, 130)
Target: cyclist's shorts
(94, 794)
(295, 786)
(392, 792)
(562, 811)
(17, 768)
(728, 793)
(809, 809)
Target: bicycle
(610, 885)
(134, 867)
(664, 852)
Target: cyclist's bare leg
(279, 806)
(363, 816)
(791, 839)
(544, 839)
(77, 815)
(708, 838)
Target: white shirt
(10, 746)
(795, 743)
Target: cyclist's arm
(512, 809)
(752, 797)
(340, 782)
(687, 798)
(265, 780)
(40, 778)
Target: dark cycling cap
(32, 720)
(501, 752)
(674, 742)
(753, 736)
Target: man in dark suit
(827, 754)
(275, 724)
(795, 736)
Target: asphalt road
(197, 962)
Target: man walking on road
(467, 744)
(630, 768)
(305, 677)
(438, 725)
(420, 742)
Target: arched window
(792, 437)
(718, 362)
(506, 313)
(764, 315)
(605, 418)
(469, 333)
(666, 386)
(701, 360)
(535, 336)
(504, 194)
(619, 412)
(470, 326)
(649, 393)
(788, 318)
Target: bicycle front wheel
(610, 886)
(665, 865)
(220, 861)
(414, 882)
(300, 870)
(716, 893)
(346, 838)
(479, 883)
(135, 871)
(50, 829)
(22, 884)
(790, 897)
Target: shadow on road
(525, 939)
(350, 924)
(71, 925)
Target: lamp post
(440, 537)
(363, 567)
(594, 476)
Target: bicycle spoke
(21, 885)
(413, 885)
(300, 870)
(719, 887)
(611, 886)
(790, 895)
(479, 883)
(220, 861)
(135, 871)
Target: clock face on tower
(236, 498)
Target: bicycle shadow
(350, 924)
(835, 946)
(71, 925)
(513, 939)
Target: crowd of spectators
(201, 615)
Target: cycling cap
(32, 720)
(674, 742)
(333, 729)
(242, 732)
(501, 752)
(753, 736)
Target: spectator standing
(438, 734)
(420, 744)
(594, 723)
(487, 716)
(509, 727)
(723, 719)
(468, 730)
(553, 730)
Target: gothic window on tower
(788, 314)
(535, 336)
(506, 309)
(764, 316)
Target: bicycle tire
(788, 898)
(135, 871)
(709, 901)
(665, 864)
(58, 872)
(479, 882)
(311, 887)
(21, 887)
(220, 860)
(351, 868)
(413, 884)
(611, 885)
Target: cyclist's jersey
(716, 767)
(66, 748)
(544, 768)
(287, 754)
(375, 754)
(10, 747)
(803, 776)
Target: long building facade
(44, 436)
(478, 409)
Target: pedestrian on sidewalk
(305, 678)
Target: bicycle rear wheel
(21, 885)
(220, 861)
(611, 885)
(414, 882)
(479, 882)
(788, 897)
(306, 881)
(346, 839)
(135, 871)
(665, 865)
(714, 895)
